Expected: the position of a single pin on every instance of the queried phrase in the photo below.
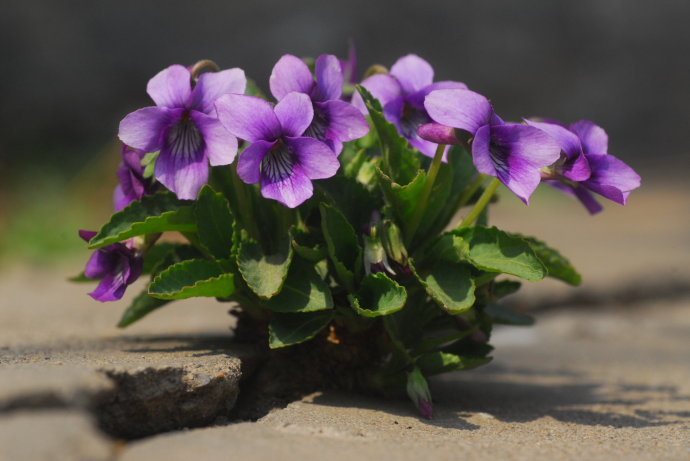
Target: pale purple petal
(611, 178)
(249, 163)
(290, 74)
(345, 122)
(100, 263)
(426, 147)
(393, 111)
(417, 99)
(212, 85)
(111, 288)
(87, 235)
(381, 86)
(248, 117)
(579, 192)
(317, 160)
(120, 200)
(171, 87)
(438, 134)
(463, 109)
(181, 165)
(329, 78)
(413, 73)
(220, 145)
(481, 155)
(594, 139)
(566, 139)
(295, 113)
(291, 191)
(144, 129)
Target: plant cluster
(327, 212)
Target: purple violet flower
(402, 94)
(184, 127)
(117, 266)
(512, 152)
(334, 121)
(586, 165)
(133, 185)
(280, 156)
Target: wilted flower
(117, 266)
(511, 152)
(402, 94)
(280, 157)
(183, 127)
(334, 121)
(587, 167)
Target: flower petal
(171, 87)
(181, 165)
(111, 288)
(579, 192)
(249, 163)
(417, 99)
(611, 178)
(100, 263)
(381, 86)
(463, 109)
(221, 146)
(248, 117)
(87, 235)
(291, 191)
(212, 85)
(144, 129)
(566, 139)
(413, 73)
(344, 121)
(329, 78)
(295, 113)
(594, 139)
(290, 74)
(481, 155)
(317, 160)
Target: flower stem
(426, 193)
(481, 204)
(469, 192)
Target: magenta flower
(281, 157)
(587, 167)
(402, 94)
(133, 185)
(334, 121)
(511, 152)
(117, 266)
(183, 127)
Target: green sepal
(433, 363)
(343, 247)
(264, 273)
(156, 213)
(195, 277)
(215, 223)
(493, 250)
(378, 295)
(557, 265)
(450, 284)
(141, 306)
(289, 329)
(505, 316)
(304, 291)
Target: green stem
(469, 192)
(481, 204)
(426, 193)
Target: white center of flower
(184, 138)
(278, 163)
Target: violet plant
(330, 220)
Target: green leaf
(153, 214)
(165, 254)
(307, 246)
(264, 273)
(350, 197)
(503, 315)
(141, 306)
(450, 285)
(403, 199)
(195, 277)
(254, 90)
(504, 288)
(288, 329)
(214, 222)
(399, 161)
(378, 295)
(304, 291)
(556, 264)
(80, 278)
(433, 363)
(493, 250)
(343, 246)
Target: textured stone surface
(56, 435)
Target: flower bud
(439, 134)
(375, 259)
(393, 242)
(418, 390)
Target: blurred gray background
(72, 69)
